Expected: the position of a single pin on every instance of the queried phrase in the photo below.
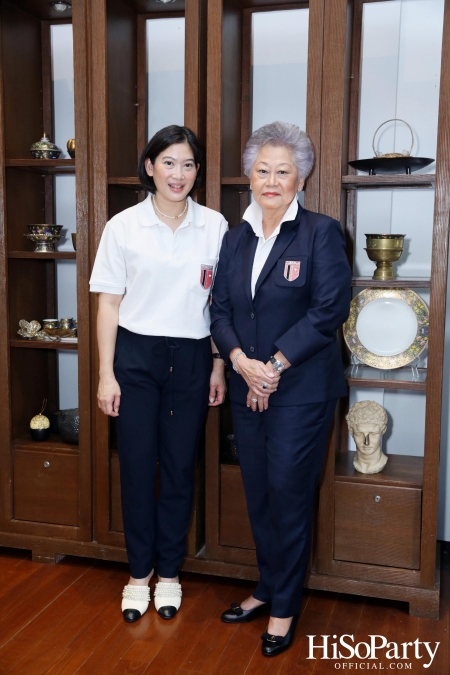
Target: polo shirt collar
(148, 217)
(253, 216)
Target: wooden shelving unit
(45, 487)
(43, 166)
(41, 344)
(402, 282)
(388, 182)
(396, 558)
(32, 255)
(400, 471)
(74, 507)
(53, 444)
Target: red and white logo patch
(206, 276)
(291, 269)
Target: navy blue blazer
(299, 317)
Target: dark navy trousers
(164, 386)
(281, 453)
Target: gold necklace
(165, 214)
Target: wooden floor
(65, 619)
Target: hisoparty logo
(400, 655)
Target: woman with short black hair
(154, 271)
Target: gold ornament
(40, 421)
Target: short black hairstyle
(163, 139)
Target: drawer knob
(46, 464)
(377, 499)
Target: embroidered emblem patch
(291, 269)
(206, 276)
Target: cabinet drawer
(234, 523)
(377, 525)
(46, 487)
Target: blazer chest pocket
(291, 271)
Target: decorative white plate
(387, 328)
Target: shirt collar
(253, 216)
(148, 217)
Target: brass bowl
(74, 240)
(384, 249)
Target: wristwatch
(276, 365)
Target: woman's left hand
(217, 386)
(256, 402)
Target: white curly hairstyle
(281, 134)
(366, 412)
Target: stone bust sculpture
(367, 422)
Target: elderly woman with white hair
(281, 291)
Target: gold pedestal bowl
(384, 249)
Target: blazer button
(252, 349)
(252, 316)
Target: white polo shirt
(253, 215)
(164, 276)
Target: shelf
(389, 181)
(127, 181)
(400, 471)
(42, 344)
(53, 444)
(56, 255)
(400, 378)
(46, 166)
(238, 182)
(405, 282)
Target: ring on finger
(264, 385)
(254, 400)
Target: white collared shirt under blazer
(165, 277)
(253, 216)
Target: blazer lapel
(248, 254)
(287, 233)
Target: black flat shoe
(275, 644)
(238, 615)
(131, 615)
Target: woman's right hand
(108, 396)
(256, 373)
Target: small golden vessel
(384, 249)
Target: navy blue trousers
(164, 386)
(281, 453)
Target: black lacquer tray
(377, 165)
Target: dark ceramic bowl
(45, 229)
(39, 434)
(69, 422)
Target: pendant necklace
(165, 215)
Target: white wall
(401, 49)
(279, 67)
(63, 83)
(165, 73)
